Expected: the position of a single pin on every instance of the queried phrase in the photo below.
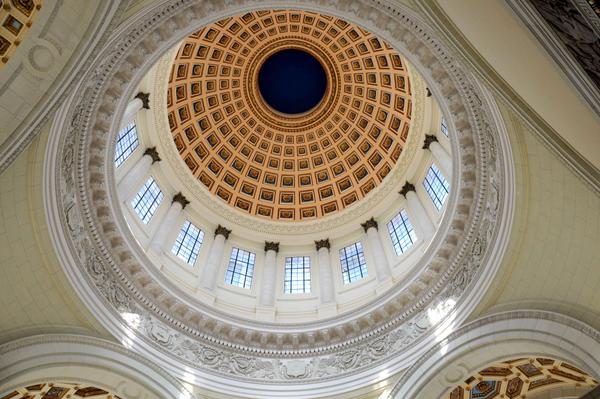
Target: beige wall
(508, 46)
(553, 259)
(35, 295)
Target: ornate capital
(153, 154)
(271, 246)
(406, 188)
(429, 138)
(181, 199)
(222, 231)
(322, 244)
(369, 223)
(145, 97)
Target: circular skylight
(292, 81)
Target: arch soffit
(495, 338)
(85, 360)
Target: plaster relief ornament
(113, 274)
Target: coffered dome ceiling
(288, 166)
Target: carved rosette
(107, 267)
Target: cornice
(454, 38)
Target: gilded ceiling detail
(16, 17)
(520, 378)
(281, 166)
(59, 391)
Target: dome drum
(114, 275)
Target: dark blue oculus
(292, 81)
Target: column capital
(153, 154)
(271, 246)
(369, 223)
(222, 231)
(145, 97)
(429, 138)
(322, 244)
(181, 199)
(407, 188)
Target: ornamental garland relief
(106, 272)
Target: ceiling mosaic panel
(16, 17)
(281, 166)
(59, 391)
(516, 379)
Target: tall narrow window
(402, 232)
(147, 200)
(297, 275)
(353, 263)
(188, 243)
(444, 126)
(436, 186)
(127, 142)
(240, 269)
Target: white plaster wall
(35, 295)
(553, 259)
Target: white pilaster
(132, 109)
(215, 255)
(419, 216)
(382, 267)
(159, 240)
(269, 276)
(326, 286)
(442, 158)
(134, 178)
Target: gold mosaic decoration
(519, 378)
(59, 391)
(16, 17)
(278, 166)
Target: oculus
(292, 81)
